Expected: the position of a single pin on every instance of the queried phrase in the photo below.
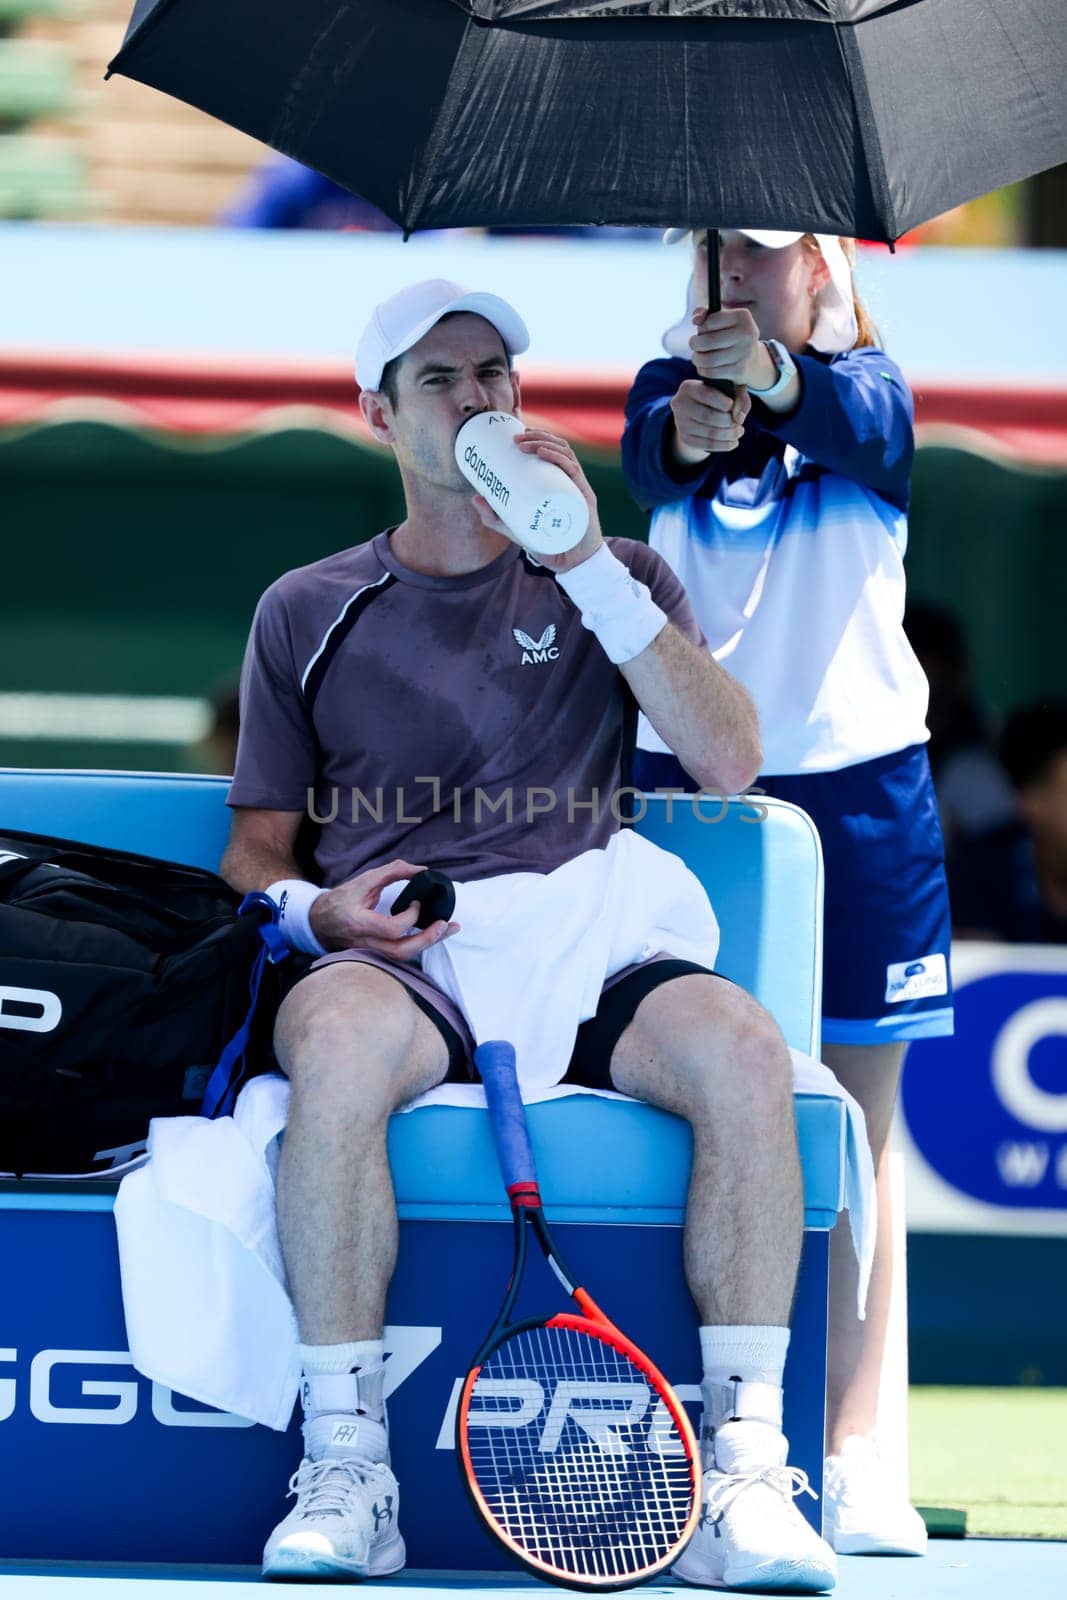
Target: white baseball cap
(834, 329)
(403, 319)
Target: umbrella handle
(723, 385)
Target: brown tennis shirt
(468, 723)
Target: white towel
(535, 949)
(203, 1282)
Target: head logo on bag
(123, 980)
(30, 1010)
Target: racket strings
(576, 1455)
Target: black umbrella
(856, 117)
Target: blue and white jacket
(791, 548)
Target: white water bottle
(538, 502)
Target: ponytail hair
(868, 335)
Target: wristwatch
(785, 364)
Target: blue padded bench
(209, 1486)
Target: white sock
(747, 1354)
(743, 1369)
(319, 1358)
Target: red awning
(208, 395)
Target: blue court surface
(978, 1569)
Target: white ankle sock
(743, 1369)
(360, 1353)
(748, 1354)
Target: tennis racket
(575, 1451)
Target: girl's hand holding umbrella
(727, 345)
(706, 421)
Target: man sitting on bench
(399, 663)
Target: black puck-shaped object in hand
(435, 892)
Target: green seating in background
(39, 177)
(36, 80)
(13, 13)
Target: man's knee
(352, 1032)
(759, 1049)
(713, 1043)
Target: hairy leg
(355, 1047)
(871, 1073)
(704, 1049)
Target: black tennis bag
(123, 983)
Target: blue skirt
(887, 929)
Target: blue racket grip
(495, 1062)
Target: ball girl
(790, 541)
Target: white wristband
(614, 605)
(294, 898)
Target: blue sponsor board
(137, 1473)
(986, 1110)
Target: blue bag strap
(231, 1068)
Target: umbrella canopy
(855, 117)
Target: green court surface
(998, 1454)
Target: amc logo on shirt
(537, 650)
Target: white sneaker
(344, 1523)
(751, 1535)
(866, 1514)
